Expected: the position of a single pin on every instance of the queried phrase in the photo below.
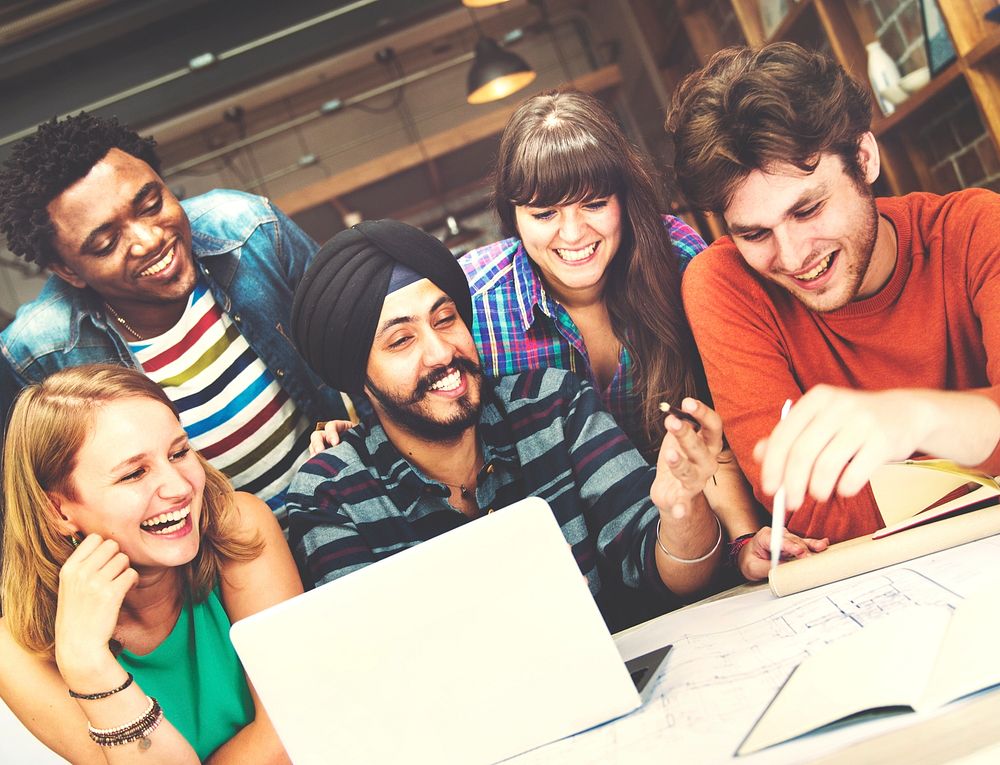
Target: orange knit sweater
(935, 324)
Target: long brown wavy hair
(48, 425)
(563, 147)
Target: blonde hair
(49, 423)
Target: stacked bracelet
(704, 557)
(738, 544)
(103, 694)
(136, 730)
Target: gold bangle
(704, 557)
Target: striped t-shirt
(230, 403)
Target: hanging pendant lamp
(496, 73)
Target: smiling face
(815, 234)
(423, 369)
(137, 481)
(572, 244)
(121, 232)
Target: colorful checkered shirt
(544, 434)
(513, 337)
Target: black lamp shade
(496, 73)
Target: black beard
(403, 412)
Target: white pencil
(778, 509)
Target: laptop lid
(472, 647)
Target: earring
(73, 540)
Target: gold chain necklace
(121, 320)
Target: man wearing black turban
(338, 301)
(384, 310)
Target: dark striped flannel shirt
(544, 434)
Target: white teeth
(174, 515)
(159, 265)
(817, 271)
(169, 529)
(573, 255)
(450, 382)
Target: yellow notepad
(905, 489)
(908, 494)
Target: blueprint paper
(731, 656)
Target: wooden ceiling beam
(352, 62)
(437, 145)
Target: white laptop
(472, 647)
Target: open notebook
(918, 659)
(470, 648)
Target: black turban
(338, 301)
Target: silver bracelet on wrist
(704, 557)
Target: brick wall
(957, 145)
(899, 28)
(954, 140)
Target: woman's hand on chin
(92, 586)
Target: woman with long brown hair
(126, 557)
(588, 279)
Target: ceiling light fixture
(495, 72)
(481, 3)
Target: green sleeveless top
(197, 677)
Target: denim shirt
(251, 256)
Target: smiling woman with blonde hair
(124, 551)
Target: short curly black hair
(45, 164)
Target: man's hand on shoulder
(834, 439)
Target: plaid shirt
(544, 434)
(513, 337)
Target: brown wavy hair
(49, 423)
(750, 109)
(563, 147)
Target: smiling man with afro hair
(196, 294)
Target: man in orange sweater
(879, 318)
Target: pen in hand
(778, 508)
(681, 415)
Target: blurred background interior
(342, 111)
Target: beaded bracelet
(137, 730)
(704, 557)
(103, 694)
(108, 731)
(737, 545)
